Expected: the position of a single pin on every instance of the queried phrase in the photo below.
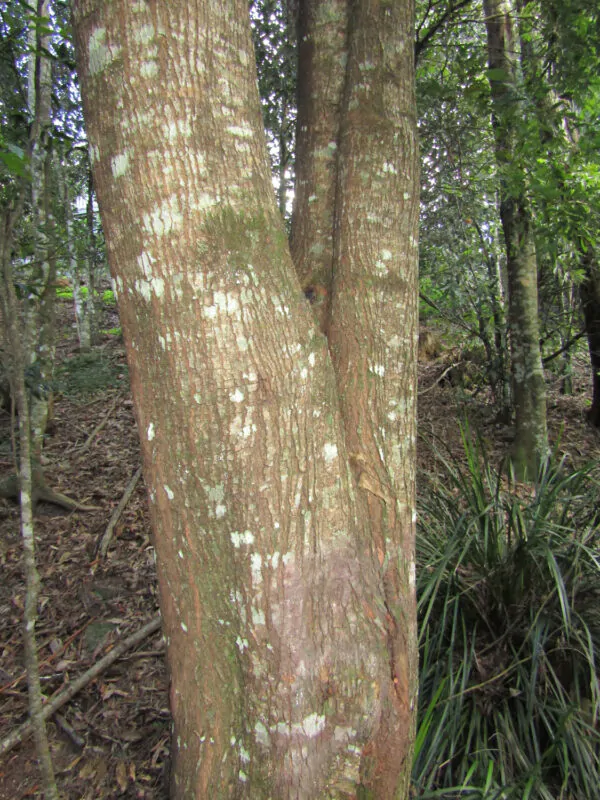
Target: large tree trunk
(290, 630)
(529, 391)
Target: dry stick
(59, 700)
(16, 681)
(99, 426)
(103, 549)
(438, 380)
(62, 723)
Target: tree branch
(567, 346)
(421, 43)
(59, 700)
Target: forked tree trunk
(290, 629)
(529, 391)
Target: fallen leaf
(121, 776)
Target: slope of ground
(112, 739)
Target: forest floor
(111, 740)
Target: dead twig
(65, 727)
(84, 447)
(439, 380)
(16, 681)
(108, 533)
(59, 700)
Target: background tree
(280, 465)
(531, 436)
(274, 36)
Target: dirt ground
(111, 740)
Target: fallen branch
(438, 380)
(59, 700)
(16, 681)
(98, 427)
(108, 533)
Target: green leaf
(15, 163)
(497, 74)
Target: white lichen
(261, 734)
(238, 539)
(256, 567)
(330, 452)
(100, 54)
(119, 164)
(243, 131)
(148, 69)
(258, 616)
(165, 218)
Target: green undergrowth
(88, 373)
(66, 293)
(509, 612)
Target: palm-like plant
(509, 590)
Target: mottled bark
(590, 301)
(16, 358)
(39, 319)
(367, 226)
(529, 391)
(280, 614)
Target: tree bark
(39, 319)
(9, 306)
(590, 301)
(354, 236)
(529, 391)
(287, 626)
(322, 57)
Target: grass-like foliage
(509, 606)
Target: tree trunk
(290, 631)
(322, 55)
(79, 275)
(590, 300)
(529, 391)
(39, 320)
(16, 364)
(354, 240)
